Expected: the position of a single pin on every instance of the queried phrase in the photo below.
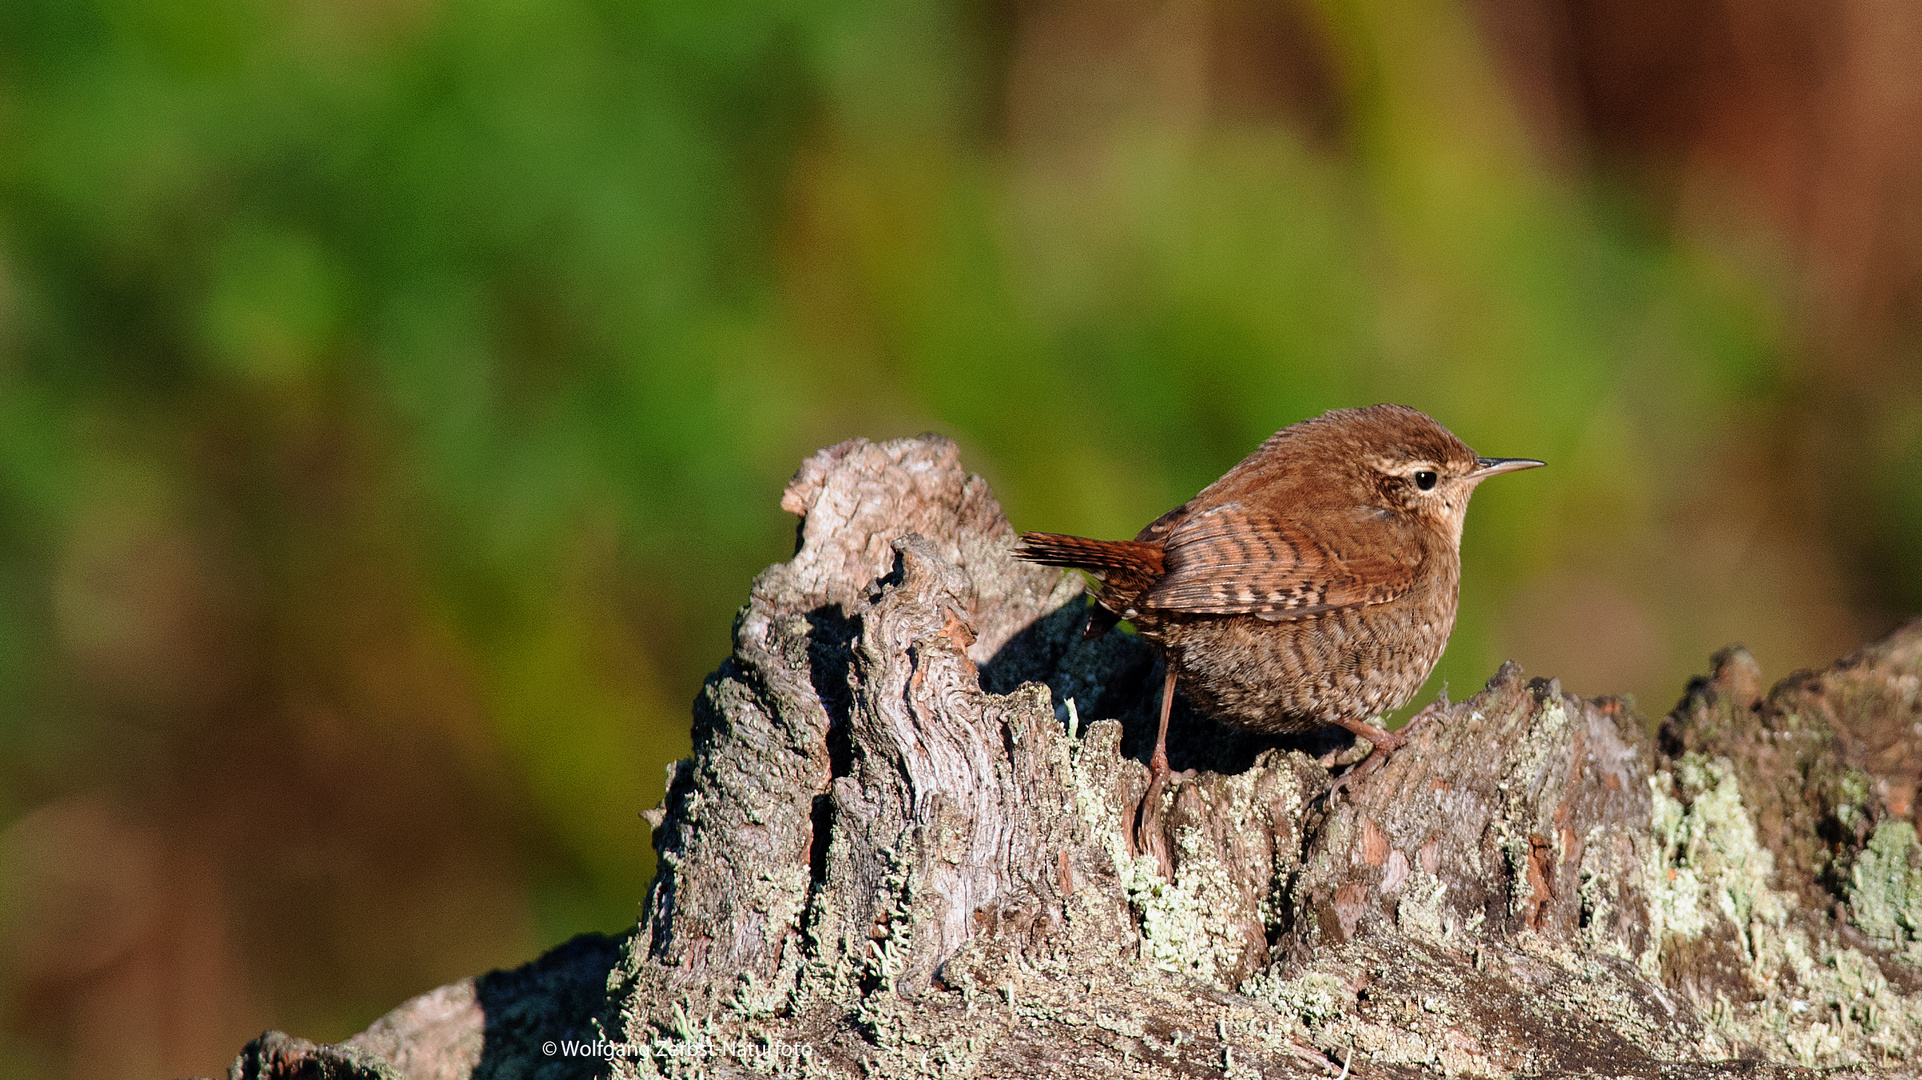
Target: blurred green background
(396, 396)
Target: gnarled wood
(900, 847)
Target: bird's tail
(1126, 568)
(1102, 558)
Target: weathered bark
(900, 848)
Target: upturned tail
(1125, 568)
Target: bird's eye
(1425, 480)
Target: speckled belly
(1294, 676)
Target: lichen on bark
(902, 847)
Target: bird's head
(1419, 468)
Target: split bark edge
(899, 847)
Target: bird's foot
(1386, 742)
(1149, 837)
(1358, 772)
(1430, 713)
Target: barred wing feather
(1227, 560)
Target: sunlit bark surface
(901, 848)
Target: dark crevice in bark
(821, 817)
(893, 846)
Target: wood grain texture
(907, 858)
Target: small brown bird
(1313, 584)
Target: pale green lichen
(781, 895)
(1835, 1009)
(1174, 924)
(1706, 860)
(1594, 894)
(1320, 1007)
(1525, 770)
(1421, 913)
(1177, 931)
(1516, 849)
(1542, 740)
(1312, 1000)
(1182, 924)
(1852, 793)
(1885, 889)
(1811, 1004)
(1184, 928)
(887, 951)
(1093, 755)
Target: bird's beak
(1493, 465)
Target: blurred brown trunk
(900, 849)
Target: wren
(1314, 584)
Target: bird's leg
(1385, 742)
(1159, 762)
(1148, 835)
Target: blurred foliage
(395, 398)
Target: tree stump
(901, 848)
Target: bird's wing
(1229, 560)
